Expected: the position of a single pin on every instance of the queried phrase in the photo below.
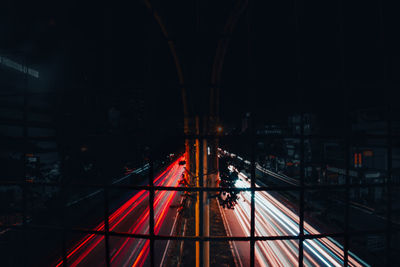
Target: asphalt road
(274, 218)
(132, 217)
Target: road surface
(274, 218)
(132, 217)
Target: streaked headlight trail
(275, 219)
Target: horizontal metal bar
(353, 137)
(196, 238)
(198, 189)
(21, 123)
(33, 138)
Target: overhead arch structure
(238, 10)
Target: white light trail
(273, 218)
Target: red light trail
(131, 217)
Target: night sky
(281, 55)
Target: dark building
(368, 155)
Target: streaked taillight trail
(131, 217)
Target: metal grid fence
(301, 188)
(252, 238)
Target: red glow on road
(127, 250)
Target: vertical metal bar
(252, 138)
(151, 207)
(302, 183)
(347, 193)
(106, 226)
(24, 183)
(107, 80)
(64, 248)
(197, 202)
(347, 130)
(302, 168)
(252, 135)
(24, 220)
(253, 186)
(347, 151)
(201, 203)
(389, 137)
(389, 187)
(347, 134)
(205, 197)
(63, 218)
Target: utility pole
(197, 207)
(206, 199)
(202, 207)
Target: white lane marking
(166, 247)
(145, 167)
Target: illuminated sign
(16, 66)
(368, 153)
(357, 160)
